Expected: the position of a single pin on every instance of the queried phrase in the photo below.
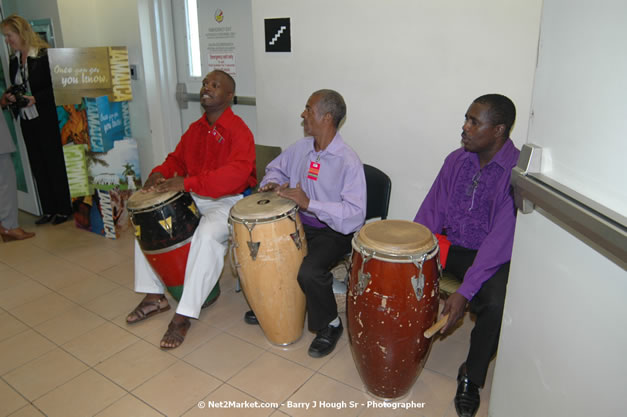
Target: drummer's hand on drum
(271, 186)
(455, 306)
(297, 195)
(154, 179)
(175, 183)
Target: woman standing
(29, 71)
(9, 229)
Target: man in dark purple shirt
(472, 204)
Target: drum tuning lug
(296, 238)
(363, 278)
(296, 235)
(419, 285)
(253, 247)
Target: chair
(378, 189)
(265, 154)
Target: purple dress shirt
(337, 197)
(475, 208)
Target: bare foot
(177, 329)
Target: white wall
(112, 23)
(563, 339)
(408, 71)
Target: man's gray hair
(331, 102)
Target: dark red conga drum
(164, 225)
(393, 297)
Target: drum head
(141, 200)
(261, 206)
(396, 237)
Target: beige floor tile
(223, 356)
(297, 352)
(10, 277)
(54, 272)
(135, 365)
(228, 401)
(227, 310)
(42, 309)
(10, 326)
(22, 293)
(271, 378)
(177, 389)
(342, 368)
(22, 348)
(28, 411)
(10, 400)
(122, 273)
(94, 258)
(129, 406)
(85, 395)
(22, 252)
(115, 303)
(431, 396)
(88, 289)
(69, 325)
(45, 373)
(446, 355)
(279, 413)
(198, 334)
(323, 396)
(250, 333)
(100, 343)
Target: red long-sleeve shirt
(215, 161)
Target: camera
(18, 90)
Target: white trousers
(206, 257)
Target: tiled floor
(65, 349)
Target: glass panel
(193, 42)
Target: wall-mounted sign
(278, 35)
(90, 72)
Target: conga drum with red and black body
(393, 297)
(164, 225)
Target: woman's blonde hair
(24, 30)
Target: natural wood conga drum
(164, 225)
(393, 298)
(269, 247)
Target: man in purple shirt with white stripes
(471, 202)
(325, 177)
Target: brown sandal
(141, 313)
(175, 334)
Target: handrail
(600, 227)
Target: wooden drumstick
(436, 327)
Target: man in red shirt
(215, 161)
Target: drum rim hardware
(169, 248)
(418, 283)
(157, 205)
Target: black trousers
(325, 248)
(487, 304)
(45, 155)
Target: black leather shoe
(250, 317)
(60, 218)
(46, 218)
(467, 398)
(325, 341)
